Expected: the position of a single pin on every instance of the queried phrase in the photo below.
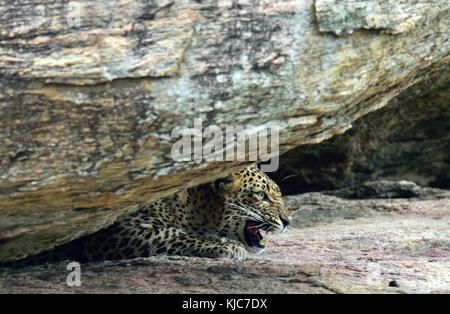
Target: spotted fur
(206, 221)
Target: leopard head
(253, 206)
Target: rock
(89, 97)
(408, 139)
(334, 245)
(391, 16)
(388, 189)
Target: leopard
(227, 218)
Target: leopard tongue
(253, 230)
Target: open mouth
(253, 234)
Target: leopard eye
(263, 196)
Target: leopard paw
(234, 251)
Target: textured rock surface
(389, 16)
(407, 139)
(335, 245)
(87, 105)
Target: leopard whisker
(228, 220)
(252, 209)
(248, 211)
(287, 177)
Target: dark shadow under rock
(408, 139)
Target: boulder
(92, 90)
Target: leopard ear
(223, 184)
